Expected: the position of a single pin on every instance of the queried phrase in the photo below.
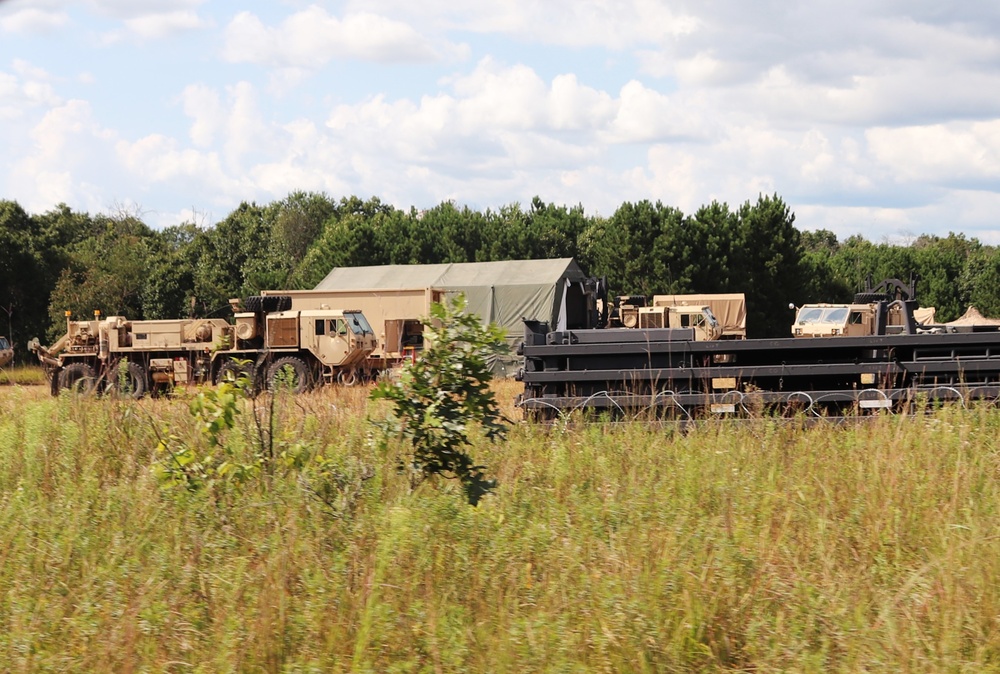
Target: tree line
(63, 260)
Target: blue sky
(879, 118)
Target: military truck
(726, 317)
(6, 352)
(698, 317)
(624, 311)
(833, 320)
(268, 342)
(729, 309)
(886, 309)
(395, 313)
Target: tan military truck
(729, 309)
(274, 347)
(834, 320)
(861, 320)
(888, 308)
(698, 317)
(6, 352)
(395, 313)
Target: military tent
(501, 292)
(974, 318)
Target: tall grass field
(764, 546)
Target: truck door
(332, 345)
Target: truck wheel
(276, 303)
(868, 298)
(267, 303)
(232, 370)
(254, 303)
(78, 377)
(289, 374)
(128, 379)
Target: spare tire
(276, 303)
(868, 298)
(267, 303)
(254, 304)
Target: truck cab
(337, 338)
(699, 317)
(835, 320)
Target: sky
(871, 117)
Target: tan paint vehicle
(700, 318)
(396, 314)
(6, 352)
(831, 320)
(713, 315)
(729, 309)
(855, 320)
(297, 349)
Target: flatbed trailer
(665, 371)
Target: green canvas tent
(499, 292)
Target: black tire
(78, 377)
(128, 379)
(232, 370)
(289, 374)
(348, 377)
(277, 303)
(267, 303)
(868, 298)
(254, 304)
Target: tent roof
(452, 275)
(973, 317)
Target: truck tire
(868, 298)
(267, 303)
(276, 303)
(232, 370)
(128, 379)
(78, 377)
(289, 374)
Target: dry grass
(23, 375)
(605, 548)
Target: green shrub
(442, 396)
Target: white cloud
(615, 24)
(146, 27)
(59, 153)
(33, 20)
(312, 37)
(203, 105)
(247, 133)
(154, 26)
(130, 9)
(645, 115)
(955, 153)
(26, 88)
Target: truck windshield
(359, 324)
(4, 344)
(810, 315)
